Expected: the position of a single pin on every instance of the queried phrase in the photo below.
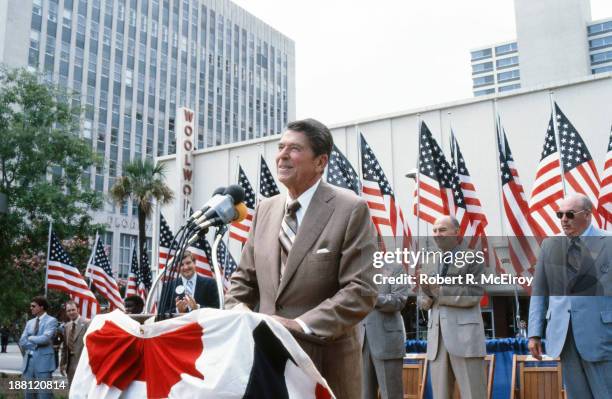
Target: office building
(135, 61)
(556, 41)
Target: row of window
(501, 77)
(600, 58)
(600, 28)
(500, 63)
(600, 42)
(607, 68)
(499, 50)
(500, 89)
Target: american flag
(522, 242)
(267, 185)
(340, 172)
(239, 231)
(376, 190)
(135, 284)
(227, 263)
(431, 202)
(165, 241)
(202, 251)
(62, 275)
(100, 273)
(548, 186)
(475, 213)
(146, 277)
(605, 194)
(579, 169)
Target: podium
(207, 353)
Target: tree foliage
(143, 181)
(44, 165)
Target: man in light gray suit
(384, 339)
(571, 297)
(36, 343)
(455, 335)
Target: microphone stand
(215, 265)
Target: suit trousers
(584, 380)
(30, 375)
(339, 363)
(385, 374)
(468, 371)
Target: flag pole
(90, 260)
(551, 94)
(258, 182)
(359, 171)
(497, 129)
(48, 256)
(418, 215)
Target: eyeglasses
(569, 214)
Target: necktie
(36, 325)
(445, 267)
(72, 331)
(574, 256)
(189, 288)
(288, 231)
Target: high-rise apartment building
(135, 61)
(555, 41)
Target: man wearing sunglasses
(571, 299)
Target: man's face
(72, 312)
(36, 309)
(187, 267)
(445, 234)
(576, 226)
(297, 167)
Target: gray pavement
(10, 362)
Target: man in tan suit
(74, 331)
(308, 259)
(455, 335)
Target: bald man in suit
(73, 340)
(308, 259)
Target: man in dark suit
(199, 291)
(308, 259)
(72, 346)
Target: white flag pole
(48, 255)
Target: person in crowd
(571, 304)
(455, 335)
(73, 340)
(36, 343)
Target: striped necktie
(288, 231)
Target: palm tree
(143, 182)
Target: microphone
(240, 213)
(223, 206)
(215, 197)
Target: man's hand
(535, 347)
(181, 305)
(289, 324)
(191, 302)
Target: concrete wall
(552, 39)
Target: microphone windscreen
(236, 192)
(241, 212)
(218, 191)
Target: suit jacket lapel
(313, 223)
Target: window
(126, 242)
(107, 242)
(602, 69)
(506, 48)
(480, 54)
(484, 67)
(600, 28)
(600, 42)
(507, 62)
(509, 87)
(601, 57)
(510, 75)
(483, 80)
(484, 92)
